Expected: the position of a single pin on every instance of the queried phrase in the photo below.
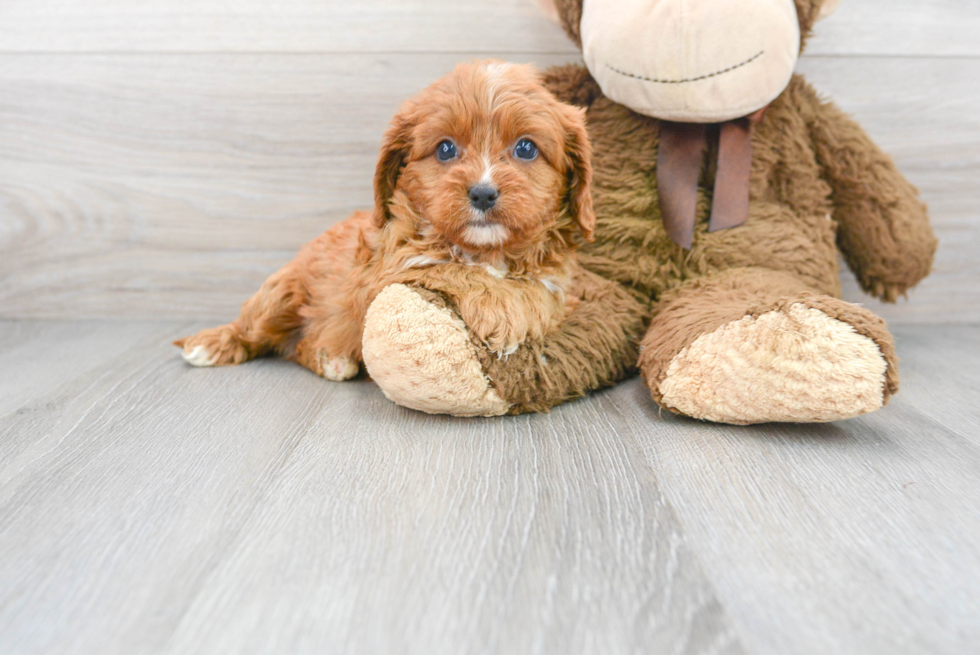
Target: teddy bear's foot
(793, 363)
(754, 346)
(421, 356)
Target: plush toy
(725, 189)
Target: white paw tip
(198, 356)
(339, 369)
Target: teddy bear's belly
(635, 250)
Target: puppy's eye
(446, 150)
(525, 149)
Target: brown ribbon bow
(682, 148)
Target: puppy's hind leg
(319, 360)
(268, 321)
(333, 326)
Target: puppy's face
(489, 160)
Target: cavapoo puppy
(482, 192)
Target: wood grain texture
(939, 355)
(918, 112)
(148, 507)
(853, 537)
(862, 27)
(37, 356)
(172, 185)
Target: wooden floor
(149, 507)
(159, 159)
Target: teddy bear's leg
(422, 355)
(753, 345)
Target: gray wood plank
(151, 507)
(854, 537)
(119, 492)
(931, 28)
(170, 186)
(865, 27)
(940, 154)
(477, 26)
(949, 355)
(36, 356)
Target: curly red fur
(505, 268)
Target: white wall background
(161, 159)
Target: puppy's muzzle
(483, 197)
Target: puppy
(482, 192)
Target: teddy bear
(726, 189)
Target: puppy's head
(490, 160)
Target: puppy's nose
(483, 197)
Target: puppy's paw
(218, 346)
(504, 348)
(323, 364)
(501, 330)
(198, 356)
(337, 369)
(507, 317)
(500, 337)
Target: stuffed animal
(725, 190)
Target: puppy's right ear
(395, 149)
(578, 150)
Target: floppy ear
(578, 153)
(395, 148)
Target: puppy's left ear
(395, 149)
(578, 163)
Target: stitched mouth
(690, 79)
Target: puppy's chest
(472, 272)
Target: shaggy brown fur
(505, 268)
(706, 303)
(818, 187)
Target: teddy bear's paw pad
(337, 369)
(422, 357)
(792, 365)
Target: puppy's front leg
(506, 315)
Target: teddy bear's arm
(572, 83)
(884, 230)
(423, 356)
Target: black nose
(483, 197)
